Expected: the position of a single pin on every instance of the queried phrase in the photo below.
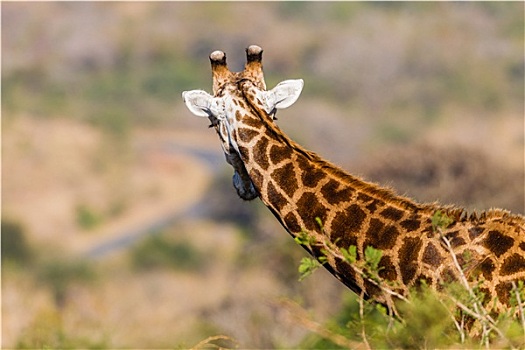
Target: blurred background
(120, 226)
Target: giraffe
(330, 212)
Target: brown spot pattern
(259, 153)
(454, 239)
(310, 176)
(373, 206)
(349, 275)
(246, 135)
(387, 269)
(475, 232)
(373, 217)
(408, 255)
(275, 198)
(309, 208)
(392, 214)
(371, 289)
(244, 152)
(253, 122)
(498, 243)
(278, 154)
(292, 223)
(410, 224)
(333, 194)
(381, 236)
(487, 268)
(448, 275)
(257, 178)
(503, 292)
(364, 198)
(346, 225)
(287, 181)
(513, 264)
(431, 256)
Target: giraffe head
(236, 97)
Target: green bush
(47, 332)
(86, 217)
(426, 322)
(14, 244)
(59, 274)
(452, 317)
(157, 251)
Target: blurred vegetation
(87, 218)
(425, 65)
(47, 332)
(427, 318)
(390, 71)
(458, 175)
(60, 273)
(15, 248)
(426, 323)
(132, 91)
(158, 251)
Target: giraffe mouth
(241, 180)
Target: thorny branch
(301, 316)
(479, 311)
(520, 307)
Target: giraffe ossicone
(302, 190)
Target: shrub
(86, 217)
(157, 251)
(59, 274)
(425, 318)
(14, 244)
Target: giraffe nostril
(218, 57)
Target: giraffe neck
(309, 194)
(299, 186)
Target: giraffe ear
(199, 102)
(285, 93)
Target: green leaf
(302, 238)
(441, 220)
(307, 267)
(382, 309)
(372, 258)
(350, 254)
(319, 222)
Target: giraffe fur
(302, 190)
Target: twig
(336, 253)
(520, 307)
(478, 308)
(362, 317)
(208, 341)
(456, 323)
(300, 315)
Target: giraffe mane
(457, 214)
